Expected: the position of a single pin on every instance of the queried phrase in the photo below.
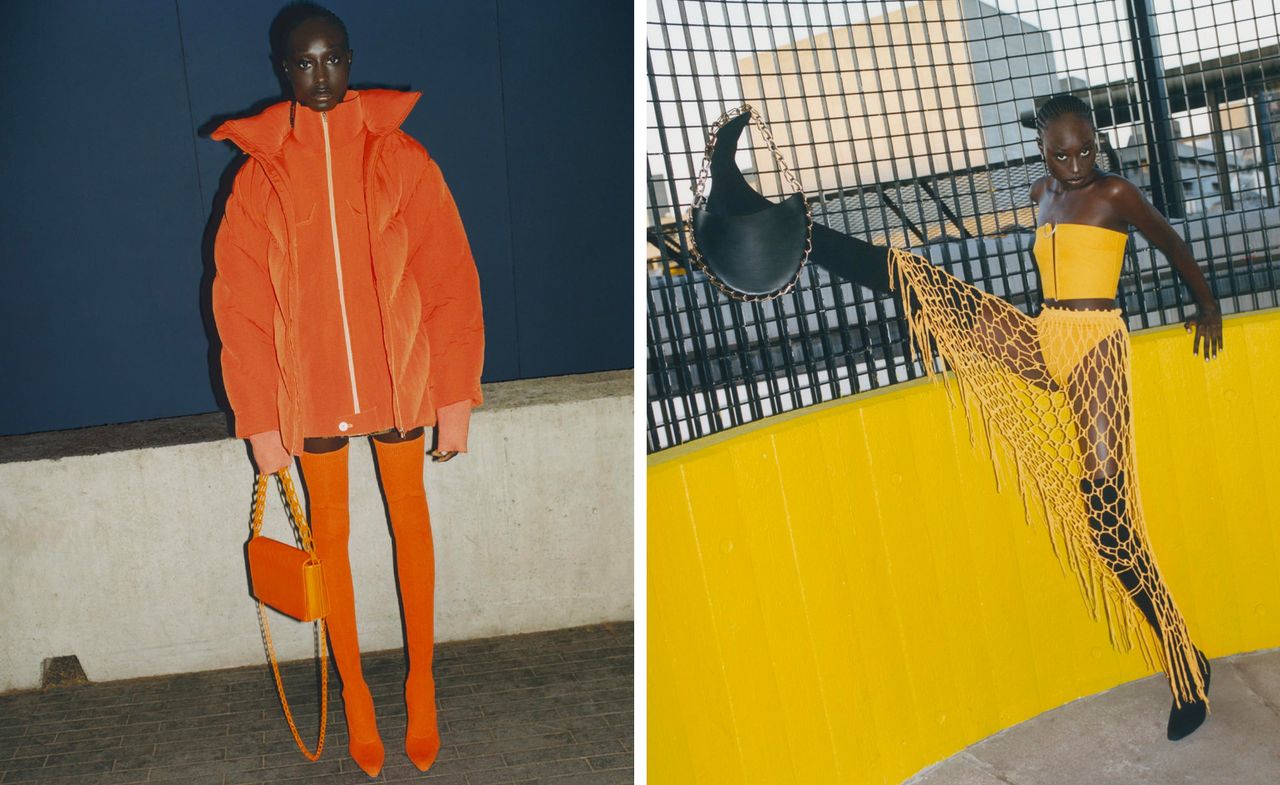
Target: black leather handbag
(755, 256)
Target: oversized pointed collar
(263, 134)
(346, 122)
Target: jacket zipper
(337, 261)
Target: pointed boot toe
(422, 750)
(368, 755)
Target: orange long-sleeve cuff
(453, 422)
(269, 452)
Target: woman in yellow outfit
(1055, 387)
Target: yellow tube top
(1078, 261)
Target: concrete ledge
(133, 559)
(197, 428)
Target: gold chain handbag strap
(700, 201)
(304, 532)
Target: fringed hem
(1021, 404)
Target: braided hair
(1062, 105)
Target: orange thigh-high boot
(325, 474)
(400, 466)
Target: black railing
(934, 100)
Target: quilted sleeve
(452, 315)
(244, 305)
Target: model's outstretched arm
(1135, 208)
(842, 255)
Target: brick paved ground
(552, 707)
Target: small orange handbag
(290, 580)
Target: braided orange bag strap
(304, 532)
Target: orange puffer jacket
(427, 288)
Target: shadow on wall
(214, 221)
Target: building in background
(930, 88)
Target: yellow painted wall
(841, 595)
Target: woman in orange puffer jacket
(348, 304)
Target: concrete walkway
(1118, 738)
(552, 707)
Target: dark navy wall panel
(110, 183)
(100, 219)
(567, 87)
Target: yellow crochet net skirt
(1054, 390)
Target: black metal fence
(911, 124)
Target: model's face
(318, 64)
(1070, 149)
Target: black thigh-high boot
(1129, 559)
